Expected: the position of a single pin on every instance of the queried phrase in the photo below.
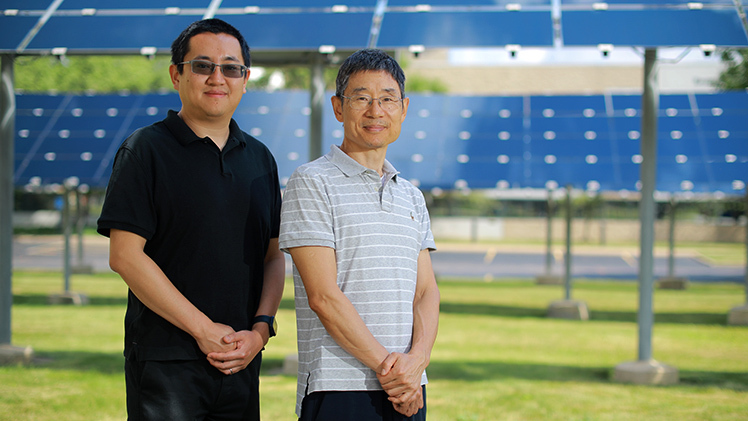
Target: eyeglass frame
(371, 101)
(213, 68)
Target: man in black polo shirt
(192, 211)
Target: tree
(100, 74)
(735, 76)
(136, 74)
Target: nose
(217, 75)
(376, 107)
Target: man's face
(215, 96)
(373, 127)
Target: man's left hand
(247, 345)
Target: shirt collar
(350, 167)
(185, 135)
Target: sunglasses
(206, 68)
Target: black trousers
(191, 390)
(354, 406)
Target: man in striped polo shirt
(367, 303)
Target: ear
(337, 107)
(406, 102)
(246, 81)
(175, 76)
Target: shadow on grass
(606, 316)
(493, 371)
(42, 300)
(102, 362)
(113, 363)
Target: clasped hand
(400, 376)
(230, 351)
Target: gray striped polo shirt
(377, 228)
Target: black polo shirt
(207, 215)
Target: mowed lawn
(497, 356)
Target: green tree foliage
(295, 77)
(735, 76)
(100, 74)
(299, 78)
(112, 74)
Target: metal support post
(648, 170)
(549, 234)
(671, 240)
(567, 257)
(317, 88)
(7, 120)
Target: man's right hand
(410, 408)
(400, 376)
(211, 337)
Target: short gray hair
(368, 59)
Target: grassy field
(497, 356)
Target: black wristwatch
(270, 320)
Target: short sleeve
(128, 203)
(306, 214)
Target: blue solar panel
(446, 141)
(305, 4)
(663, 27)
(26, 4)
(157, 31)
(107, 26)
(129, 4)
(279, 31)
(466, 29)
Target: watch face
(275, 326)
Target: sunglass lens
(202, 67)
(232, 70)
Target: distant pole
(7, 120)
(317, 88)
(671, 240)
(603, 220)
(648, 170)
(746, 246)
(66, 232)
(567, 257)
(80, 225)
(549, 235)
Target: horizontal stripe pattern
(377, 229)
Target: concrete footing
(672, 282)
(549, 280)
(74, 298)
(645, 372)
(291, 365)
(15, 355)
(738, 316)
(568, 309)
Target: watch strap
(270, 320)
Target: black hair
(368, 59)
(181, 46)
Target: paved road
(474, 261)
(618, 264)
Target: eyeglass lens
(203, 67)
(361, 102)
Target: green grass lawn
(497, 356)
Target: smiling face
(210, 99)
(372, 128)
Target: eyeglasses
(204, 67)
(362, 102)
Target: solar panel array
(591, 142)
(112, 26)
